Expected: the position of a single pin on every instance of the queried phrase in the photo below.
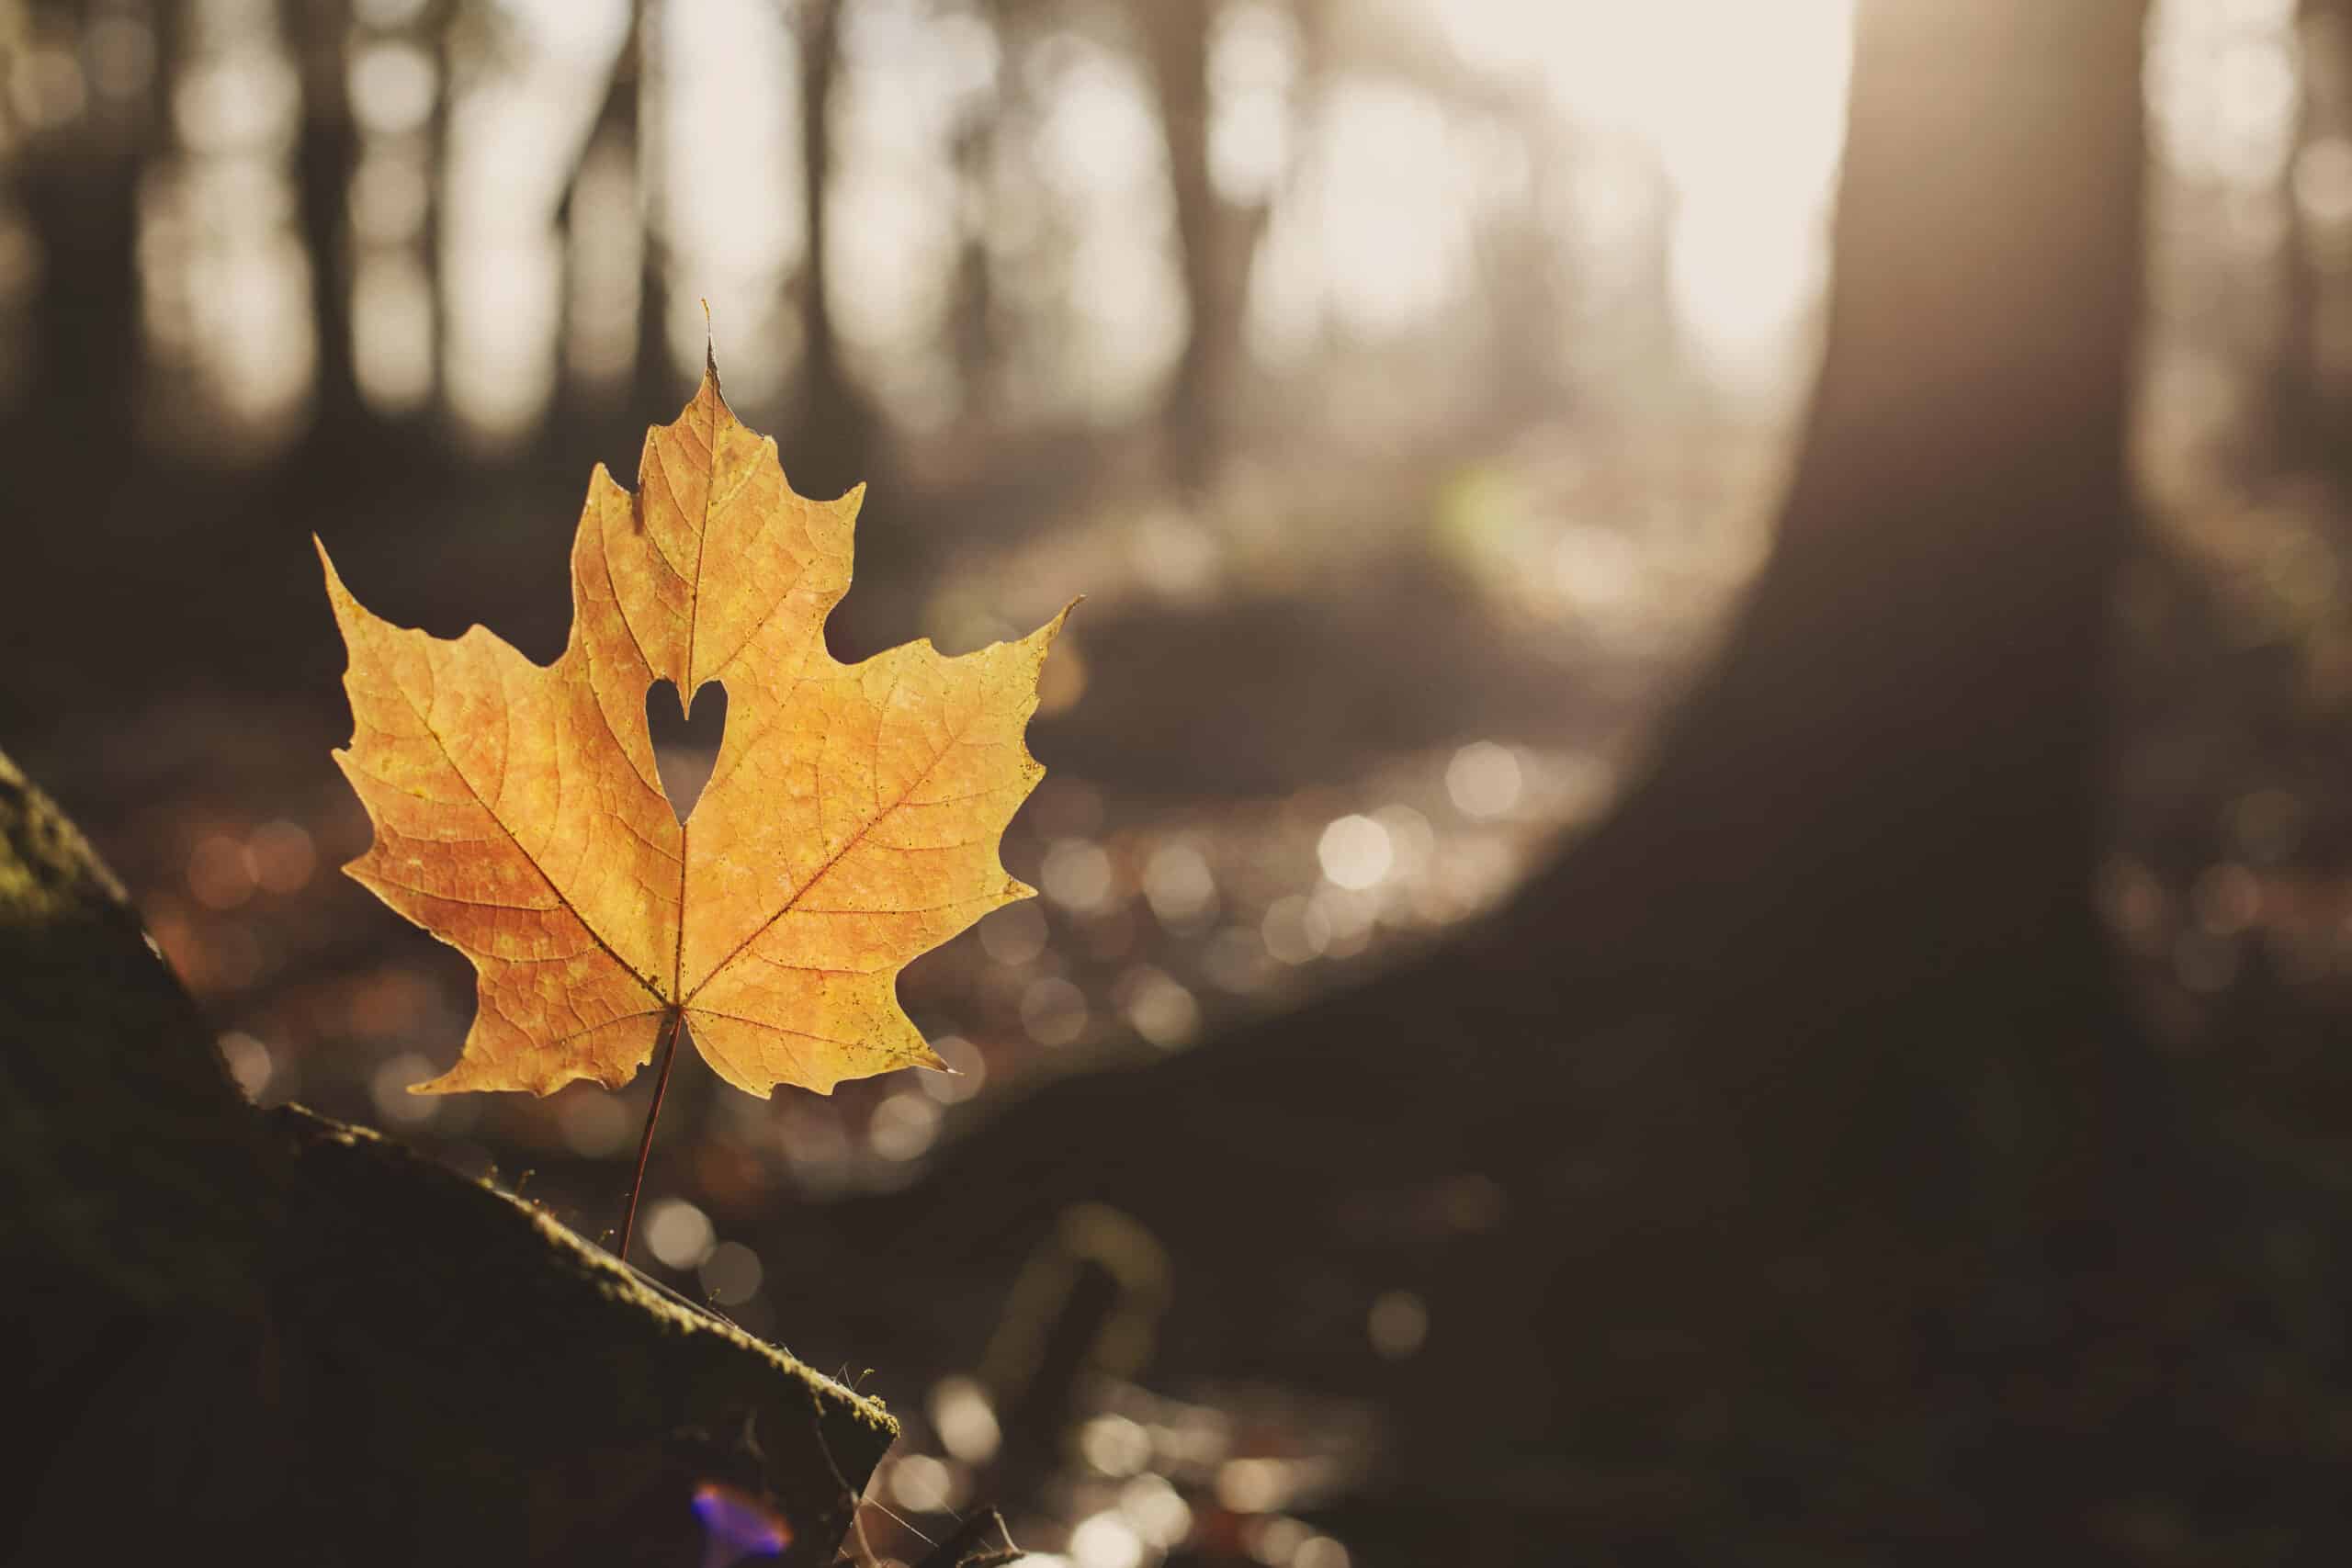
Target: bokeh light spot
(1053, 1011)
(1076, 873)
(960, 1413)
(1484, 780)
(1355, 853)
(731, 1273)
(678, 1234)
(1398, 1324)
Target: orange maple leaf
(853, 819)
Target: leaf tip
(1042, 639)
(326, 562)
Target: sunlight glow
(895, 225)
(1101, 147)
(2222, 90)
(1253, 59)
(391, 320)
(1374, 240)
(1742, 105)
(512, 140)
(1702, 134)
(732, 209)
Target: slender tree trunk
(615, 133)
(625, 117)
(435, 28)
(85, 318)
(1213, 241)
(819, 65)
(78, 184)
(834, 431)
(976, 341)
(317, 35)
(2308, 405)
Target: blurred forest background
(1409, 385)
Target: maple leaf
(852, 821)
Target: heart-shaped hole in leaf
(684, 749)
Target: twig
(645, 1143)
(968, 1547)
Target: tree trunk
(1211, 240)
(657, 384)
(433, 29)
(1858, 865)
(78, 185)
(1911, 700)
(317, 35)
(583, 407)
(975, 340)
(2308, 403)
(833, 433)
(84, 319)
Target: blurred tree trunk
(326, 153)
(2311, 412)
(614, 134)
(1523, 278)
(1906, 718)
(78, 184)
(1215, 240)
(623, 118)
(1859, 860)
(975, 338)
(433, 28)
(84, 206)
(835, 444)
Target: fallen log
(275, 1334)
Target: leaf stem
(645, 1144)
